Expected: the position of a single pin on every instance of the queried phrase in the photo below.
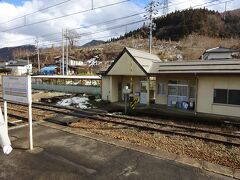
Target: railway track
(207, 135)
(45, 111)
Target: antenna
(152, 10)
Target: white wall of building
(206, 86)
(75, 63)
(209, 56)
(20, 70)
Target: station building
(211, 87)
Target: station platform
(59, 154)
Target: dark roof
(220, 50)
(70, 57)
(18, 64)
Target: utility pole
(38, 58)
(63, 52)
(151, 10)
(224, 17)
(66, 52)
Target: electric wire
(66, 15)
(121, 18)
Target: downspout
(196, 95)
(101, 84)
(148, 90)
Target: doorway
(143, 92)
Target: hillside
(93, 43)
(9, 53)
(180, 24)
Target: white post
(5, 112)
(30, 126)
(30, 113)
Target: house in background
(206, 86)
(74, 65)
(219, 53)
(19, 67)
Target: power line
(40, 10)
(46, 35)
(59, 40)
(213, 2)
(81, 27)
(66, 15)
(143, 20)
(114, 20)
(105, 22)
(107, 29)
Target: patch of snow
(98, 100)
(80, 102)
(65, 102)
(93, 61)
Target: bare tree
(72, 36)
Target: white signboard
(17, 89)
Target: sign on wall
(17, 89)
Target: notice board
(17, 89)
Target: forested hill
(179, 24)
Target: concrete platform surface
(62, 155)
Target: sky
(20, 25)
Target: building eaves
(137, 56)
(213, 66)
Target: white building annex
(19, 67)
(218, 53)
(206, 86)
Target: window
(192, 91)
(227, 96)
(162, 88)
(178, 90)
(182, 90)
(220, 96)
(234, 97)
(172, 90)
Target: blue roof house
(49, 70)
